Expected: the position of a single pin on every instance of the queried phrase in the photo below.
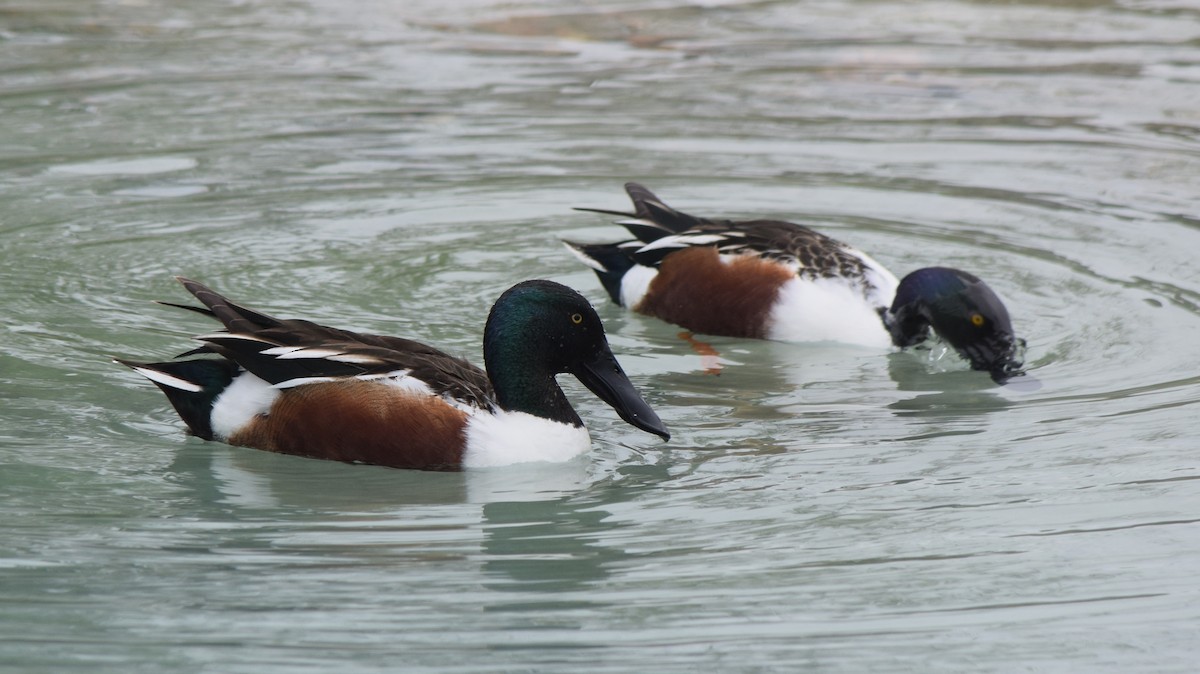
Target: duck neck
(908, 319)
(906, 324)
(522, 383)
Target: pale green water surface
(393, 166)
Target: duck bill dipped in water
(962, 310)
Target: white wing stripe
(168, 380)
(355, 359)
(280, 350)
(584, 258)
(394, 377)
(310, 353)
(298, 381)
(684, 240)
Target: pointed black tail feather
(200, 310)
(649, 207)
(608, 260)
(643, 230)
(652, 219)
(234, 317)
(604, 211)
(642, 198)
(191, 386)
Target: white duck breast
(504, 438)
(835, 309)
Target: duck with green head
(296, 387)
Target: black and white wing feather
(292, 352)
(661, 230)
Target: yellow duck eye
(576, 318)
(977, 320)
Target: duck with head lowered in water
(771, 279)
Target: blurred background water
(393, 166)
